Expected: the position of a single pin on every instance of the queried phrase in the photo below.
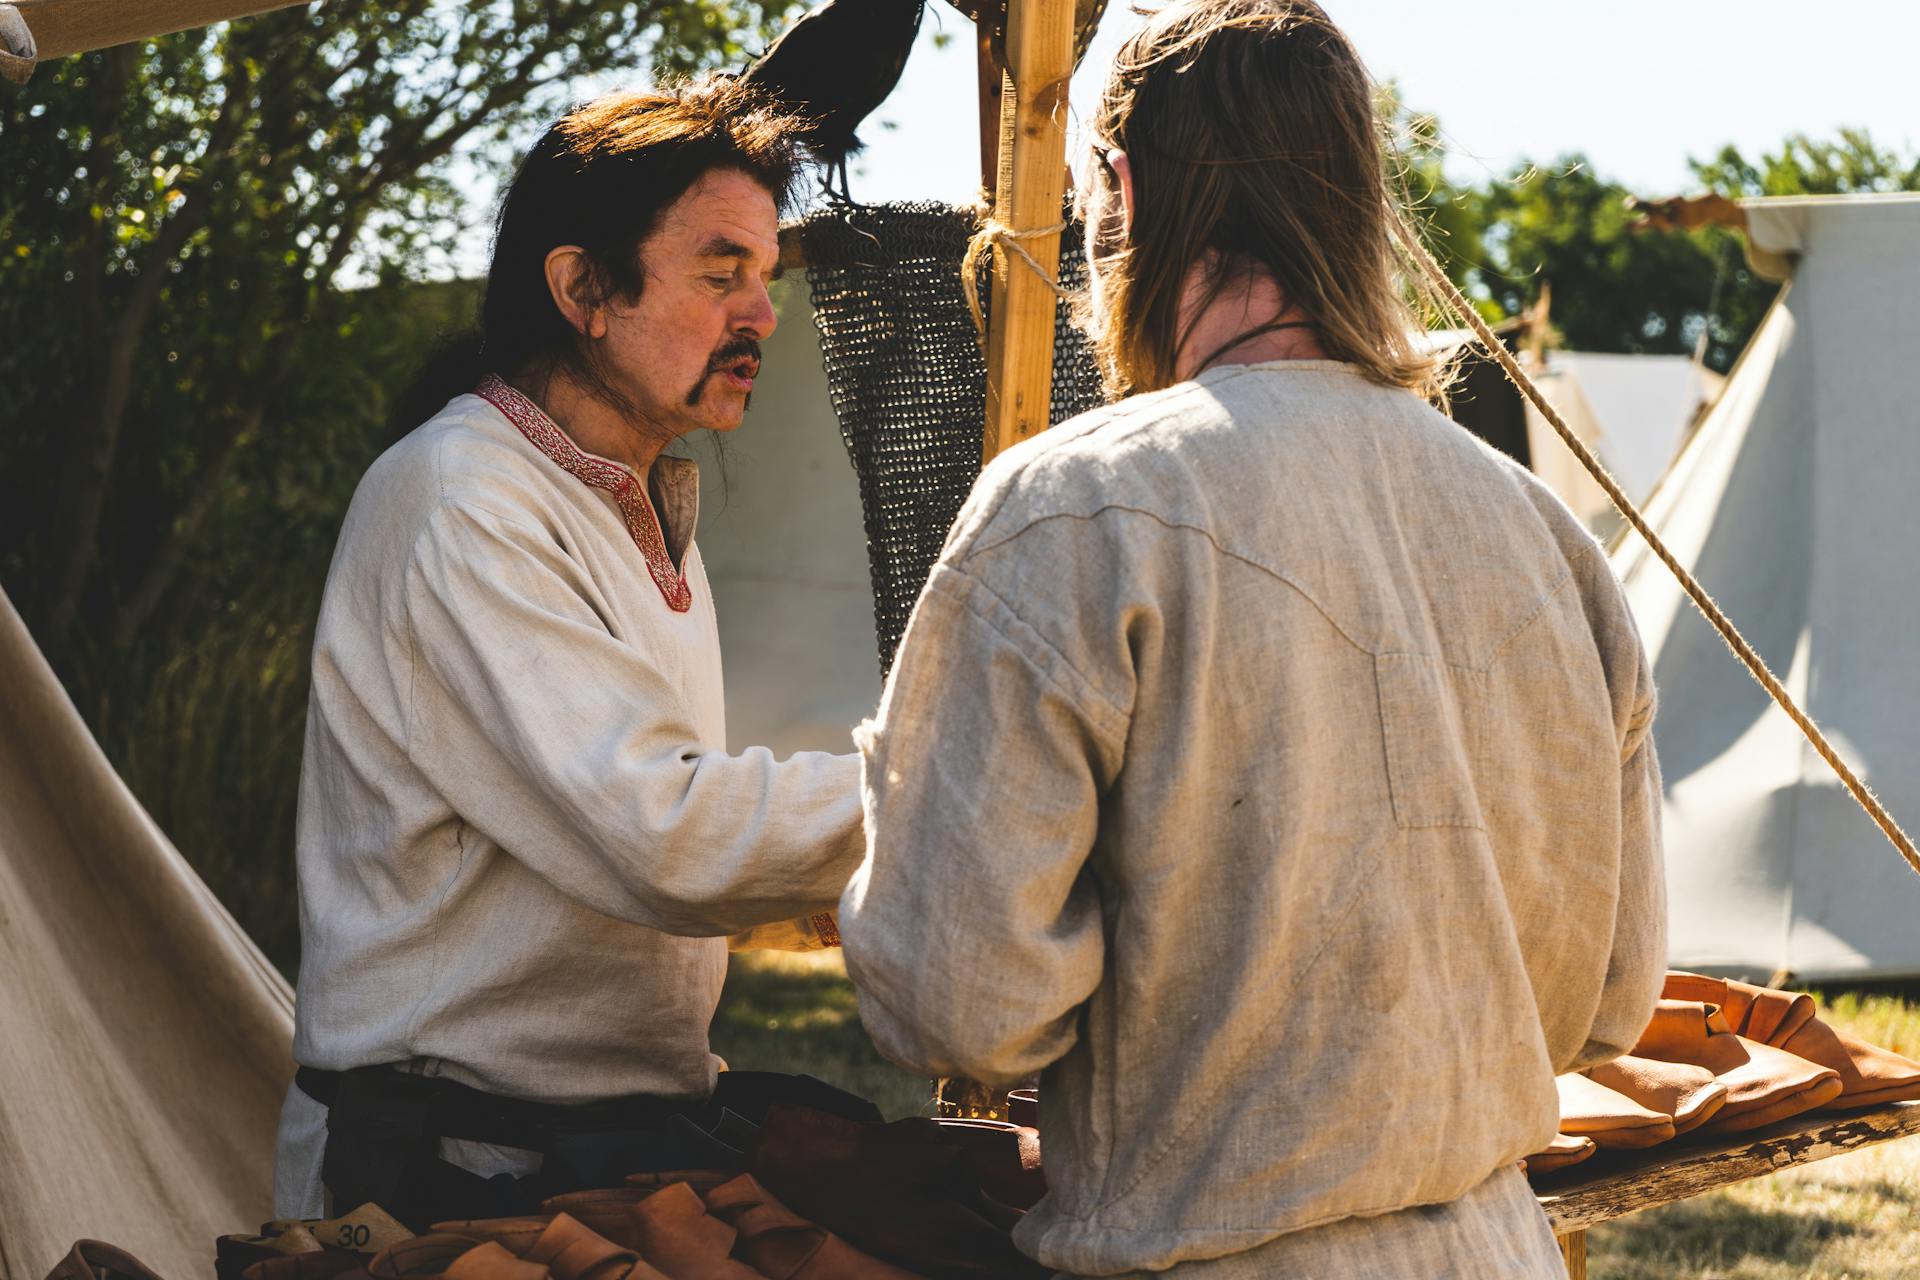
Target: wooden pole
(992, 94)
(1028, 194)
(1573, 1252)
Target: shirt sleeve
(1638, 960)
(973, 931)
(570, 748)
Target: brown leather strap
(573, 1252)
(675, 1215)
(97, 1260)
(491, 1262)
(772, 1238)
(425, 1255)
(516, 1235)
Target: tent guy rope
(1755, 664)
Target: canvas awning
(145, 1044)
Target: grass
(1855, 1217)
(796, 1011)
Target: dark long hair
(600, 178)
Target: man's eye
(719, 282)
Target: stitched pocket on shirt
(1428, 768)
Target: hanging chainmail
(908, 381)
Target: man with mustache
(522, 842)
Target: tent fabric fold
(1793, 504)
(62, 27)
(147, 1043)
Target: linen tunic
(521, 840)
(1268, 760)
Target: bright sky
(1638, 86)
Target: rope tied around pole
(995, 232)
(1423, 258)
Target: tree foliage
(1450, 218)
(1849, 164)
(188, 392)
(1615, 286)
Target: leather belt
(441, 1108)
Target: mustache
(732, 350)
(729, 352)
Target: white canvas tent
(145, 1044)
(1631, 410)
(1642, 405)
(1794, 505)
(1553, 462)
(786, 554)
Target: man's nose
(757, 318)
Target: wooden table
(1613, 1184)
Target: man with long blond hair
(1267, 761)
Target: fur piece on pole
(18, 53)
(63, 27)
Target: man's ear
(567, 277)
(1123, 170)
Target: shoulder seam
(1180, 527)
(1118, 415)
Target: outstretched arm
(973, 930)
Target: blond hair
(1254, 143)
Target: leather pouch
(1764, 1084)
(1566, 1150)
(1681, 1090)
(1591, 1110)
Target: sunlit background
(1638, 88)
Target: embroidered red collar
(621, 484)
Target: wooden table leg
(1573, 1248)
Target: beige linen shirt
(1268, 761)
(521, 839)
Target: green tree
(1850, 164)
(1615, 288)
(188, 392)
(1450, 218)
(1620, 288)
